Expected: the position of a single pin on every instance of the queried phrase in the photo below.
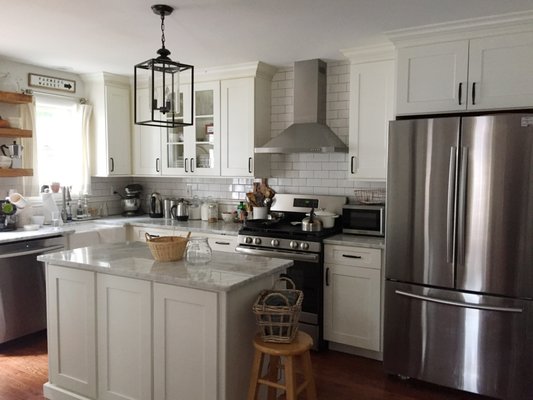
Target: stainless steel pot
(180, 211)
(311, 224)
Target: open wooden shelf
(13, 132)
(14, 172)
(15, 98)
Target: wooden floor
(339, 376)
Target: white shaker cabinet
(492, 72)
(146, 149)
(371, 109)
(124, 336)
(110, 124)
(352, 296)
(245, 119)
(185, 343)
(71, 313)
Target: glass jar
(198, 251)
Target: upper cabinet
(371, 109)
(111, 124)
(231, 116)
(464, 69)
(195, 150)
(12, 132)
(245, 124)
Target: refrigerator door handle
(458, 304)
(451, 205)
(461, 207)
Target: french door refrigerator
(459, 253)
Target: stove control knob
(293, 244)
(304, 246)
(257, 241)
(275, 242)
(248, 240)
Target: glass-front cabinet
(195, 150)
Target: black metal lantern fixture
(158, 100)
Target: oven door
(308, 277)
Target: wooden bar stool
(289, 351)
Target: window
(60, 146)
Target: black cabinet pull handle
(250, 165)
(350, 256)
(112, 164)
(223, 243)
(185, 164)
(351, 164)
(192, 164)
(474, 93)
(327, 276)
(460, 93)
(157, 164)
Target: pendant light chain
(163, 30)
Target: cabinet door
(371, 109)
(500, 72)
(176, 152)
(124, 338)
(138, 233)
(71, 310)
(352, 306)
(146, 141)
(185, 343)
(432, 78)
(118, 123)
(237, 119)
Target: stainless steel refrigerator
(459, 253)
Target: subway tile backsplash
(305, 173)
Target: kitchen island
(123, 326)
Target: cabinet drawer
(222, 243)
(353, 256)
(137, 233)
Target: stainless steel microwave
(362, 219)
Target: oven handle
(278, 254)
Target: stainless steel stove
(284, 238)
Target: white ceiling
(113, 35)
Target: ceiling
(112, 35)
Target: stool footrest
(271, 384)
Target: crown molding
(255, 69)
(463, 29)
(369, 53)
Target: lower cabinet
(185, 343)
(352, 296)
(124, 337)
(101, 344)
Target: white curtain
(84, 112)
(30, 184)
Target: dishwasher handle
(38, 250)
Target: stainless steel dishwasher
(22, 286)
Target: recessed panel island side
(121, 325)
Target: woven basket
(277, 313)
(167, 248)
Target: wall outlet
(189, 190)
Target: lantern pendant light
(158, 100)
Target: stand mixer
(131, 202)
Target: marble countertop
(225, 271)
(220, 227)
(357, 241)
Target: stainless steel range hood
(309, 132)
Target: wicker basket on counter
(370, 196)
(167, 248)
(277, 313)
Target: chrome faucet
(66, 213)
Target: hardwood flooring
(339, 376)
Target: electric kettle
(156, 206)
